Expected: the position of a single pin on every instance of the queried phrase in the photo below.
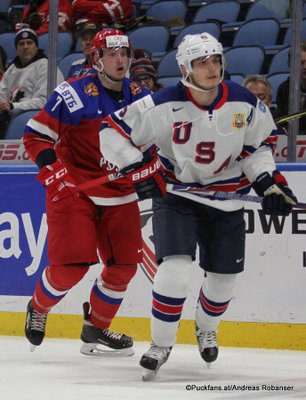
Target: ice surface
(57, 371)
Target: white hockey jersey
(222, 147)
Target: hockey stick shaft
(98, 181)
(199, 191)
(206, 193)
(290, 117)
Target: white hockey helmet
(197, 46)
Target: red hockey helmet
(108, 39)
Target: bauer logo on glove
(146, 172)
(147, 178)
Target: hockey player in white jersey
(211, 133)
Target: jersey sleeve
(44, 129)
(260, 141)
(127, 133)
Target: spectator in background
(84, 66)
(141, 53)
(281, 8)
(36, 14)
(260, 86)
(282, 97)
(3, 59)
(102, 12)
(24, 84)
(143, 72)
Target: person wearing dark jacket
(282, 98)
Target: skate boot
(35, 326)
(208, 346)
(103, 342)
(153, 359)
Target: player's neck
(204, 98)
(114, 86)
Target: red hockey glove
(278, 197)
(147, 178)
(58, 183)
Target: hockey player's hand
(147, 178)
(58, 183)
(278, 197)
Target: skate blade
(148, 375)
(96, 350)
(32, 348)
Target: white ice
(57, 371)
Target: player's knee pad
(173, 276)
(118, 276)
(219, 287)
(64, 277)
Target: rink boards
(268, 309)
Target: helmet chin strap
(107, 77)
(100, 69)
(187, 83)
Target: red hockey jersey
(70, 123)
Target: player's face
(206, 71)
(116, 62)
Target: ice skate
(35, 326)
(153, 359)
(103, 342)
(208, 346)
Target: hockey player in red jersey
(213, 134)
(63, 140)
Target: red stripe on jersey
(223, 97)
(35, 144)
(244, 154)
(220, 103)
(115, 126)
(53, 123)
(226, 187)
(244, 183)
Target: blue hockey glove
(278, 197)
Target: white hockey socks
(170, 289)
(214, 298)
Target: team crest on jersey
(91, 89)
(135, 89)
(261, 107)
(239, 120)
